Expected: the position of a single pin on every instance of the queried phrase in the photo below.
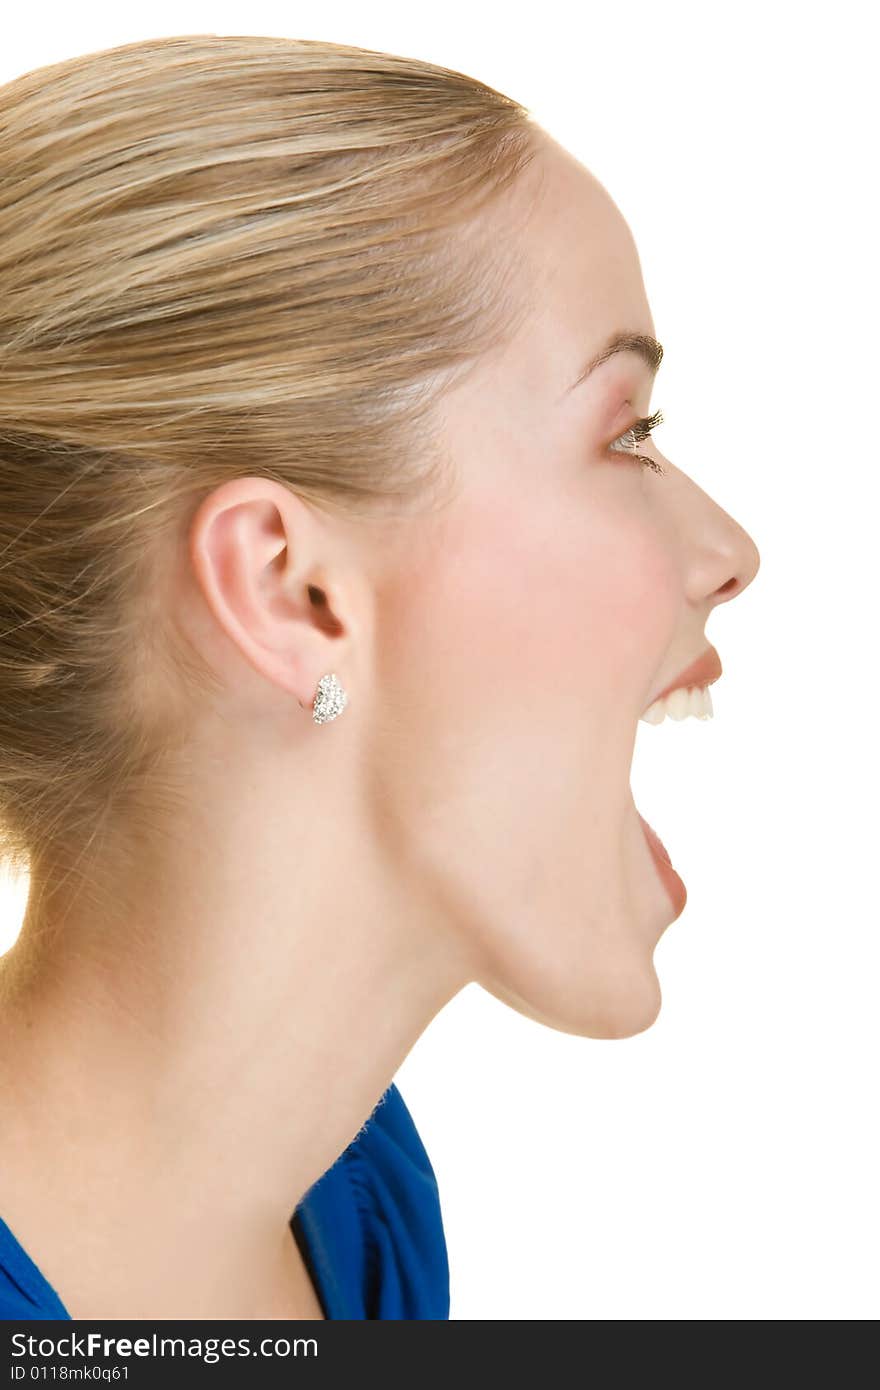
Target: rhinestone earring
(330, 699)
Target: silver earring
(330, 699)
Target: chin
(617, 1005)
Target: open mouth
(682, 703)
(687, 696)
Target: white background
(722, 1164)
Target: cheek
(560, 613)
(516, 656)
(631, 587)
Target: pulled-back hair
(219, 257)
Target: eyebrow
(645, 347)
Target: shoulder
(24, 1292)
(396, 1193)
(371, 1229)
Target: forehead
(580, 270)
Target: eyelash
(639, 431)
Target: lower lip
(671, 881)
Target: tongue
(655, 838)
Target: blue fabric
(370, 1231)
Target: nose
(740, 557)
(721, 557)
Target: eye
(634, 435)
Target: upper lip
(703, 671)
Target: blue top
(369, 1230)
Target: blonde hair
(219, 257)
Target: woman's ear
(259, 557)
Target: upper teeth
(679, 704)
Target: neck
(184, 1072)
